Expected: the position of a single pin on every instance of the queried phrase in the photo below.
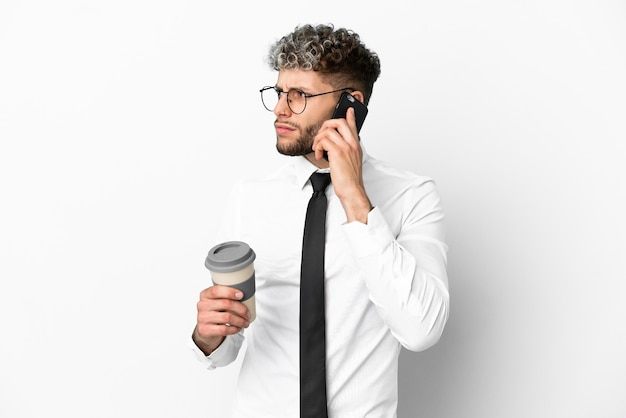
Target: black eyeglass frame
(303, 94)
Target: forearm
(406, 276)
(411, 299)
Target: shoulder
(403, 196)
(273, 180)
(380, 174)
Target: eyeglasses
(296, 99)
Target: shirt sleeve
(225, 354)
(228, 229)
(405, 271)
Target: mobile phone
(345, 101)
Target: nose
(282, 107)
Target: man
(385, 257)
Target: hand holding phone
(345, 101)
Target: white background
(123, 123)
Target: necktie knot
(320, 181)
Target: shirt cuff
(369, 239)
(223, 355)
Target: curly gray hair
(338, 55)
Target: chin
(293, 150)
(288, 152)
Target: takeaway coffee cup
(232, 264)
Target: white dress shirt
(386, 287)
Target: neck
(321, 163)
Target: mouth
(283, 128)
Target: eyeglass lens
(295, 99)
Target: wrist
(357, 207)
(207, 345)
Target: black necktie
(312, 314)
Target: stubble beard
(302, 145)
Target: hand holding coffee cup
(231, 264)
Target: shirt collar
(303, 168)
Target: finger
(216, 330)
(213, 324)
(326, 136)
(222, 318)
(223, 305)
(351, 136)
(334, 141)
(321, 134)
(340, 130)
(351, 118)
(227, 318)
(318, 149)
(221, 292)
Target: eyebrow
(302, 89)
